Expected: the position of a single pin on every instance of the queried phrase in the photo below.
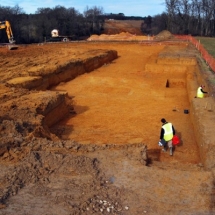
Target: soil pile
(123, 36)
(164, 35)
(119, 26)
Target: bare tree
(93, 17)
(191, 16)
(208, 7)
(183, 10)
(159, 23)
(171, 7)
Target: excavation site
(81, 121)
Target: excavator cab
(6, 25)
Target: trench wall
(203, 119)
(57, 108)
(62, 109)
(46, 79)
(201, 111)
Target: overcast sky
(128, 7)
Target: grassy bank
(208, 43)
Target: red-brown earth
(80, 125)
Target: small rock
(2, 206)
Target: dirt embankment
(89, 145)
(112, 27)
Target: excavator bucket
(12, 47)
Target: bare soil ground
(112, 27)
(89, 144)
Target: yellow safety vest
(168, 132)
(200, 94)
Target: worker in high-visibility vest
(166, 134)
(200, 92)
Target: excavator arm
(6, 25)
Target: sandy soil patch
(89, 145)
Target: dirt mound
(121, 30)
(118, 26)
(123, 36)
(163, 35)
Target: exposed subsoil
(112, 27)
(89, 144)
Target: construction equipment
(6, 25)
(56, 37)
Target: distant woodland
(194, 17)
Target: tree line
(195, 17)
(34, 28)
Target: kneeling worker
(201, 92)
(167, 133)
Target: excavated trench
(170, 75)
(176, 77)
(92, 126)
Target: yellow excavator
(6, 25)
